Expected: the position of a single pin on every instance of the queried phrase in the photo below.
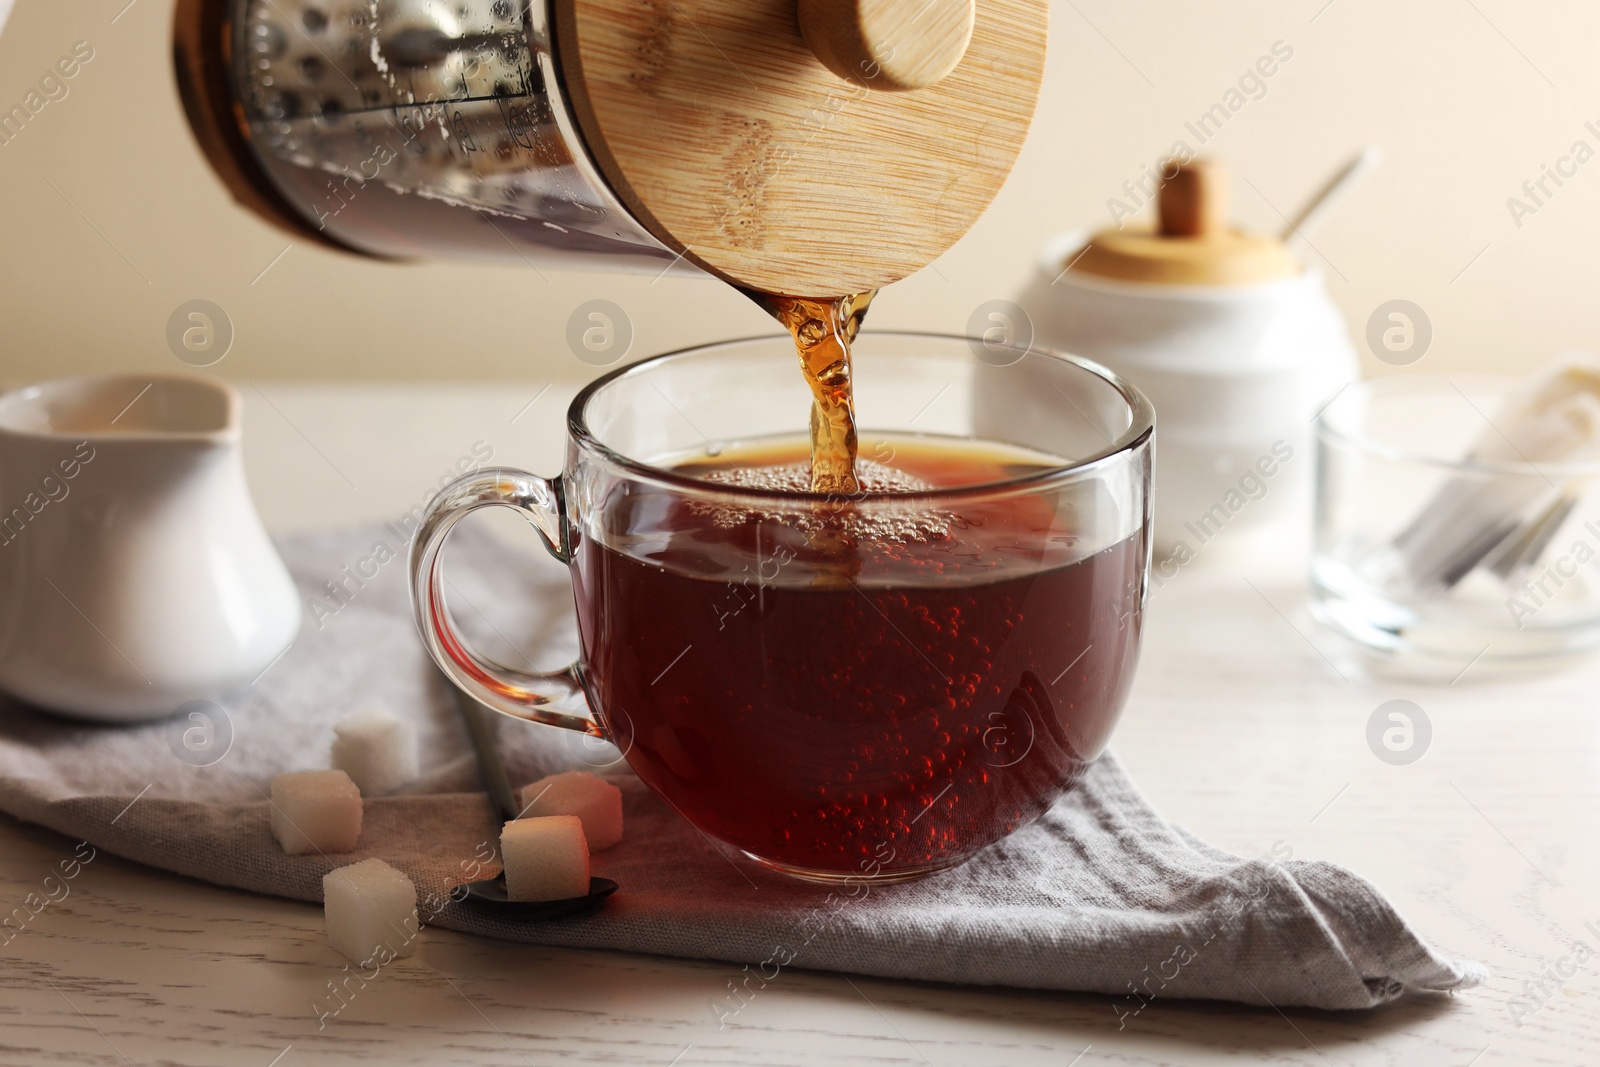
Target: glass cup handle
(530, 695)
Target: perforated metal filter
(379, 121)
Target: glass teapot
(802, 147)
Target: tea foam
(882, 521)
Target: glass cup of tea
(866, 686)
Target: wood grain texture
(1241, 728)
(889, 44)
(1229, 257)
(731, 142)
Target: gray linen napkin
(1100, 895)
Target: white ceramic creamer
(135, 575)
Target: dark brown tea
(857, 687)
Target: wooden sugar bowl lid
(1192, 244)
(804, 147)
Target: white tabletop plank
(1239, 728)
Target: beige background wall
(109, 219)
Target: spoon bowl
(492, 891)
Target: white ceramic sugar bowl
(1235, 342)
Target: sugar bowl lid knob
(889, 44)
(1192, 242)
(1194, 201)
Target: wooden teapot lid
(741, 140)
(1193, 243)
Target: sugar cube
(371, 912)
(594, 800)
(315, 811)
(545, 858)
(377, 751)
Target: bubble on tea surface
(880, 520)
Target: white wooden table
(1239, 727)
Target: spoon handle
(491, 769)
(1334, 190)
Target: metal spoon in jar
(491, 892)
(1321, 204)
